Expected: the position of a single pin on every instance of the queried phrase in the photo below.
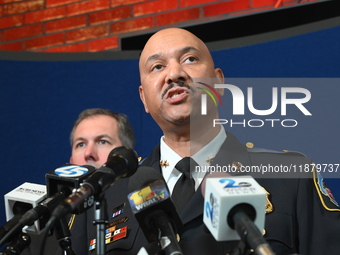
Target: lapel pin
(163, 163)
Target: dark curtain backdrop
(40, 100)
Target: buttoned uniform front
(298, 224)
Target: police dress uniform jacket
(301, 217)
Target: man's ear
(220, 77)
(142, 97)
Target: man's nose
(91, 152)
(175, 73)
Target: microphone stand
(166, 235)
(63, 235)
(101, 221)
(250, 234)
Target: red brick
(87, 33)
(44, 41)
(66, 24)
(178, 16)
(22, 7)
(103, 44)
(115, 3)
(8, 1)
(154, 7)
(110, 15)
(53, 3)
(132, 25)
(43, 15)
(186, 3)
(16, 46)
(260, 3)
(87, 6)
(226, 7)
(251, 11)
(78, 47)
(11, 21)
(23, 32)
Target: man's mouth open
(176, 95)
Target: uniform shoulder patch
(327, 199)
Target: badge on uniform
(111, 236)
(118, 210)
(116, 222)
(269, 205)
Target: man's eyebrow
(77, 140)
(187, 49)
(181, 51)
(104, 136)
(152, 57)
(97, 137)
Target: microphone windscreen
(130, 157)
(149, 195)
(27, 193)
(225, 195)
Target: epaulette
(326, 197)
(251, 148)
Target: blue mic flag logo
(71, 171)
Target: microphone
(212, 175)
(45, 207)
(59, 193)
(69, 176)
(19, 208)
(122, 162)
(153, 209)
(19, 201)
(234, 209)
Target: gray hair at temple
(125, 130)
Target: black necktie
(185, 186)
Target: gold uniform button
(249, 145)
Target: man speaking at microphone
(298, 219)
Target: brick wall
(97, 25)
